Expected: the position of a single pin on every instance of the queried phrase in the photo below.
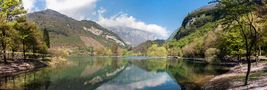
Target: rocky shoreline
(15, 68)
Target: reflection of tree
(34, 81)
(192, 74)
(152, 64)
(41, 82)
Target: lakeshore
(234, 79)
(14, 68)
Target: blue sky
(167, 13)
(160, 16)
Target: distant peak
(50, 10)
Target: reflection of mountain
(133, 78)
(86, 74)
(105, 73)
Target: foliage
(11, 8)
(115, 49)
(194, 48)
(6, 36)
(155, 50)
(16, 30)
(231, 43)
(211, 55)
(197, 34)
(46, 37)
(174, 51)
(30, 36)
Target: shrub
(211, 54)
(155, 50)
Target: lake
(116, 73)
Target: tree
(155, 50)
(5, 36)
(10, 9)
(241, 14)
(234, 42)
(15, 44)
(46, 37)
(90, 50)
(115, 49)
(30, 36)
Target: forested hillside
(80, 36)
(206, 33)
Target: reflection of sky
(135, 78)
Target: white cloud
(29, 5)
(78, 9)
(124, 20)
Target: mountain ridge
(67, 32)
(133, 37)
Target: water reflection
(136, 78)
(103, 73)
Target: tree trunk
(13, 55)
(4, 47)
(249, 66)
(238, 57)
(4, 55)
(24, 51)
(33, 51)
(260, 50)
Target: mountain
(133, 37)
(70, 33)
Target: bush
(211, 54)
(175, 52)
(155, 50)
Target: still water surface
(110, 73)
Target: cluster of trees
(16, 33)
(155, 50)
(243, 17)
(114, 50)
(239, 32)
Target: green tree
(155, 50)
(90, 50)
(10, 9)
(115, 49)
(241, 14)
(231, 43)
(46, 37)
(15, 44)
(5, 36)
(30, 36)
